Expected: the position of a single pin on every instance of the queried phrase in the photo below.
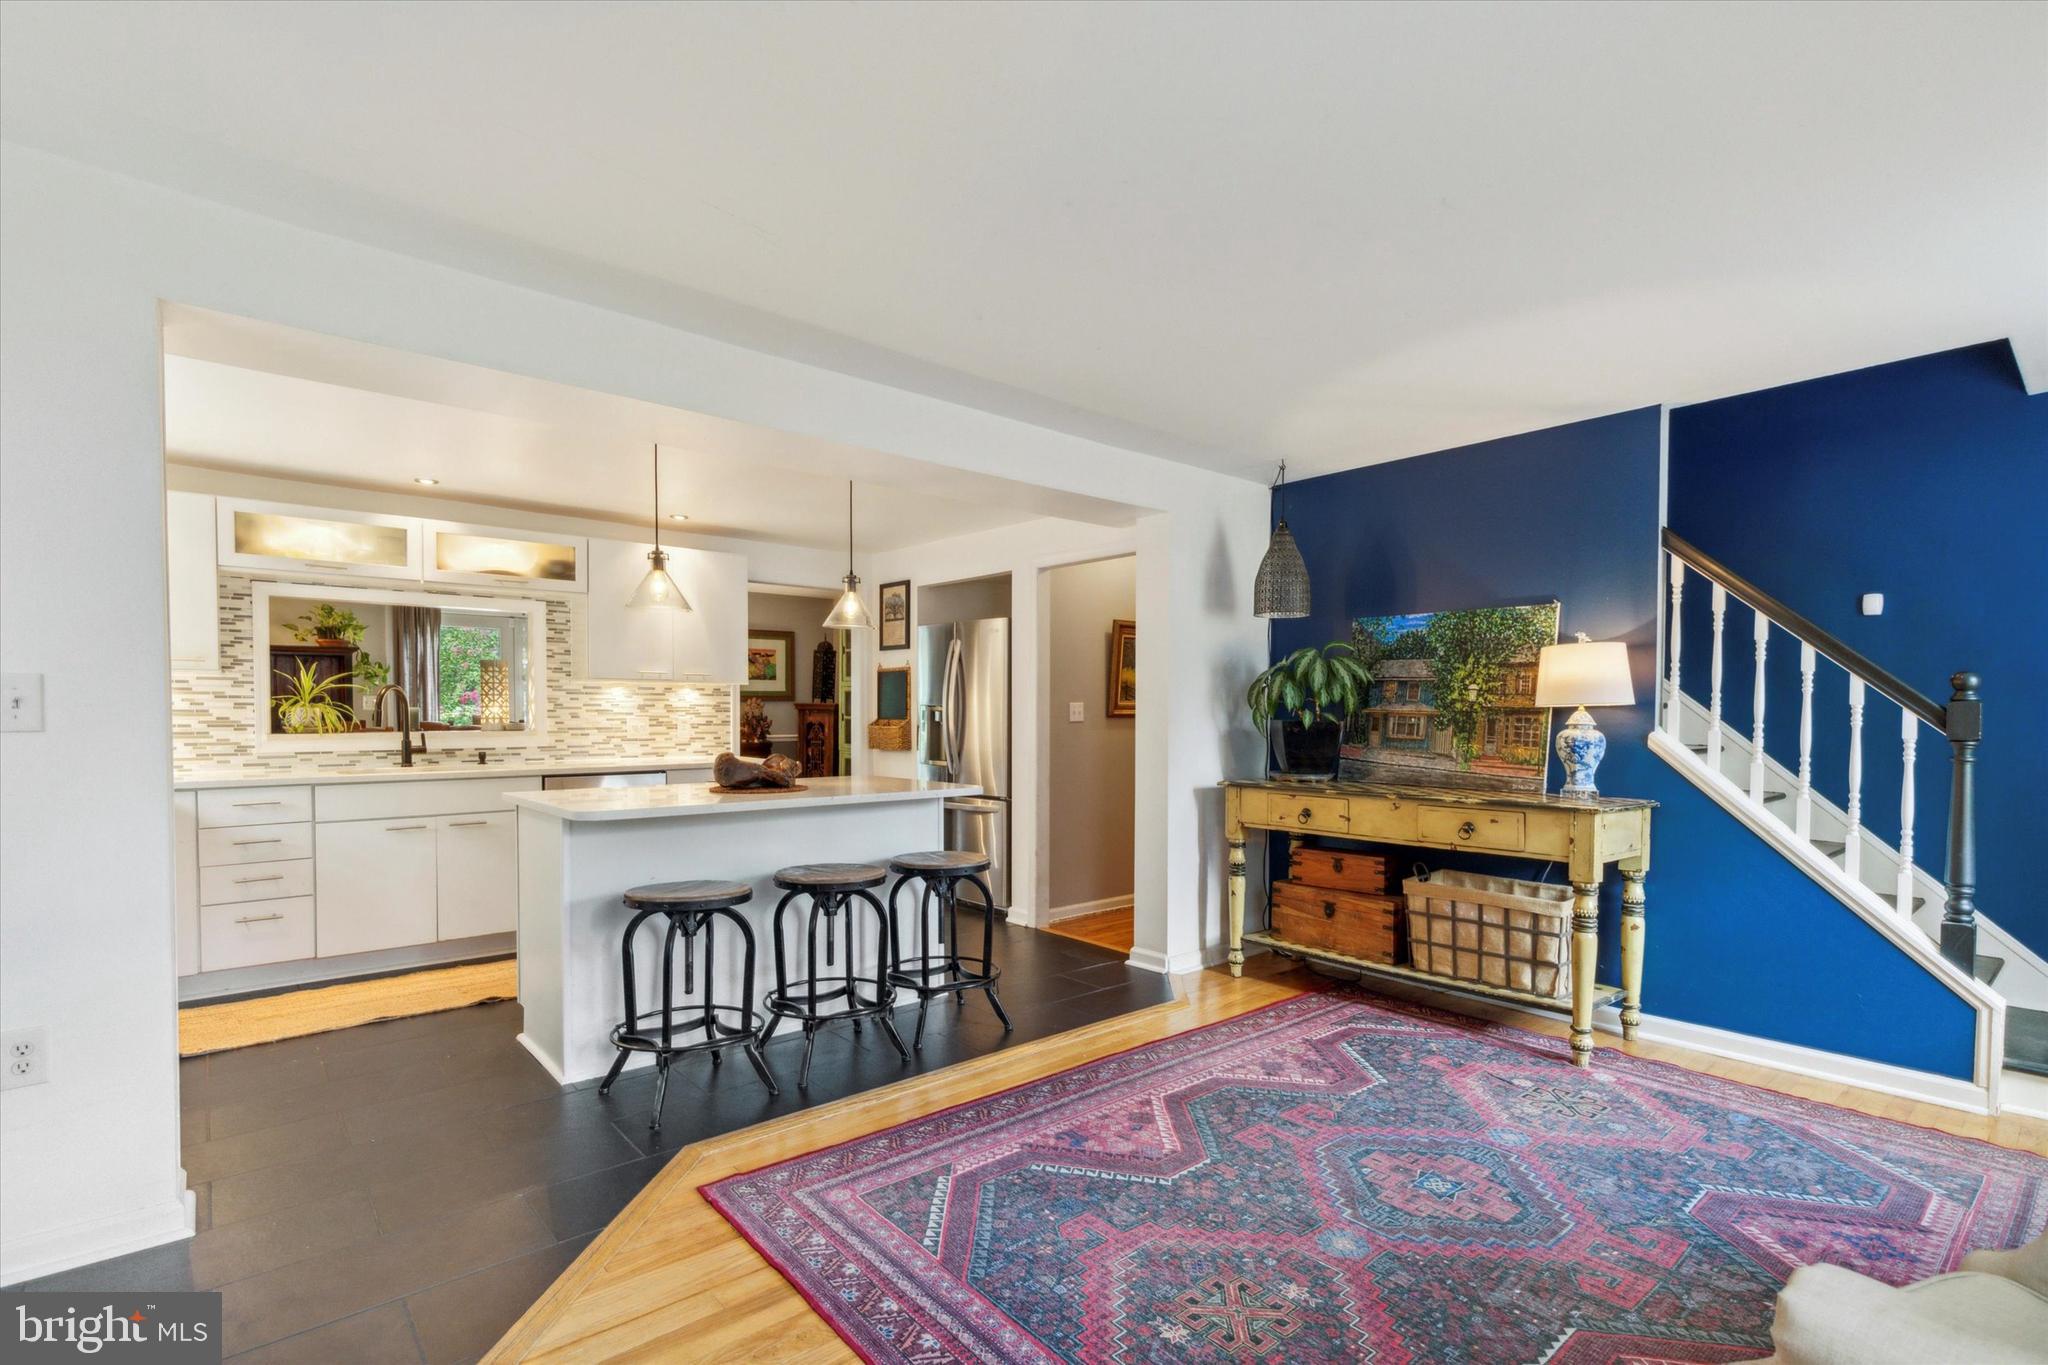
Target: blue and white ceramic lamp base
(1580, 747)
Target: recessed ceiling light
(679, 516)
(428, 482)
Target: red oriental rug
(1341, 1179)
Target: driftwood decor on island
(776, 772)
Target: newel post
(1959, 915)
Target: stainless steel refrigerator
(963, 735)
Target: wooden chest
(1348, 922)
(1338, 870)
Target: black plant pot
(1305, 751)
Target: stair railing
(1960, 723)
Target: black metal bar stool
(823, 995)
(692, 908)
(944, 972)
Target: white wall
(89, 1162)
(1091, 772)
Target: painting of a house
(1453, 699)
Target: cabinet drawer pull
(244, 843)
(394, 829)
(466, 824)
(1306, 815)
(1329, 909)
(266, 877)
(1467, 830)
(256, 919)
(328, 564)
(245, 805)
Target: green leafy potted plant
(328, 624)
(308, 704)
(1310, 694)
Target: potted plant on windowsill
(328, 625)
(1301, 704)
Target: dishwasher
(563, 781)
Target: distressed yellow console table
(1584, 835)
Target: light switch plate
(1873, 604)
(21, 701)
(1077, 711)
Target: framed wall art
(1123, 669)
(771, 660)
(896, 615)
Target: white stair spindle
(1756, 701)
(1714, 695)
(1802, 813)
(1672, 710)
(1852, 852)
(1909, 740)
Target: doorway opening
(1091, 726)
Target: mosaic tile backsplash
(213, 715)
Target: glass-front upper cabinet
(491, 556)
(269, 535)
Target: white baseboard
(1079, 908)
(547, 1063)
(1810, 1062)
(77, 1244)
(1882, 1077)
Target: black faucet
(407, 745)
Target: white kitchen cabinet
(376, 884)
(185, 842)
(635, 644)
(711, 641)
(320, 540)
(493, 556)
(477, 874)
(194, 582)
(255, 933)
(622, 643)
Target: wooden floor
(670, 1279)
(1104, 928)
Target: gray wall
(972, 599)
(785, 611)
(1094, 772)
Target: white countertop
(508, 767)
(697, 798)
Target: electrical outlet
(1077, 711)
(24, 1058)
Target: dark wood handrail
(1873, 675)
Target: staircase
(1934, 919)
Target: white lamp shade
(657, 590)
(1588, 673)
(849, 612)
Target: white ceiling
(1339, 233)
(261, 399)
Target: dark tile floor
(402, 1191)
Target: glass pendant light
(1281, 589)
(658, 589)
(849, 612)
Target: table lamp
(1587, 673)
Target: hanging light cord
(657, 497)
(849, 528)
(1280, 484)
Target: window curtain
(416, 657)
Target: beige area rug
(294, 1014)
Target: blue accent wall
(1737, 938)
(1925, 480)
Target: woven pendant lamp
(1281, 589)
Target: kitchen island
(579, 851)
